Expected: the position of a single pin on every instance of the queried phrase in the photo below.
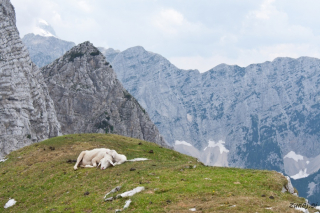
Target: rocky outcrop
(89, 98)
(45, 49)
(27, 112)
(288, 187)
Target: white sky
(192, 34)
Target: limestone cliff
(27, 112)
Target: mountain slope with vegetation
(40, 177)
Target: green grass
(41, 180)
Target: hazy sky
(192, 34)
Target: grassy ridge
(39, 178)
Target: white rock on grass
(132, 192)
(127, 204)
(10, 203)
(113, 191)
(193, 209)
(289, 188)
(3, 160)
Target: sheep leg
(79, 159)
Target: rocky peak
(44, 29)
(43, 44)
(89, 98)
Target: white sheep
(117, 158)
(89, 159)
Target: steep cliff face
(258, 114)
(27, 112)
(89, 98)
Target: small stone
(271, 197)
(109, 199)
(86, 193)
(132, 169)
(263, 195)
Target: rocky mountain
(89, 98)
(309, 187)
(43, 44)
(27, 113)
(257, 114)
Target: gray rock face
(289, 187)
(45, 49)
(89, 98)
(259, 113)
(27, 112)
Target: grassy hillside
(41, 178)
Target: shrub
(95, 53)
(75, 55)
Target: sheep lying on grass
(103, 157)
(89, 159)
